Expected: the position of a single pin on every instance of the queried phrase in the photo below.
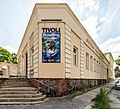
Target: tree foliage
(6, 56)
(14, 58)
(118, 60)
(117, 72)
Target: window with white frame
(75, 56)
(91, 63)
(87, 61)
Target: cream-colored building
(7, 70)
(109, 56)
(56, 45)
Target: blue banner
(51, 47)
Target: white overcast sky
(101, 18)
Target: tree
(117, 72)
(118, 60)
(5, 55)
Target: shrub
(101, 100)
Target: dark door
(107, 73)
(26, 65)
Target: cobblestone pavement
(115, 103)
(79, 102)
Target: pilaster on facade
(81, 58)
(68, 52)
(28, 58)
(36, 47)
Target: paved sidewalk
(80, 102)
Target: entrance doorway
(26, 65)
(107, 73)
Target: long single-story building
(55, 45)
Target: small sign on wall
(51, 45)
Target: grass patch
(79, 92)
(75, 93)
